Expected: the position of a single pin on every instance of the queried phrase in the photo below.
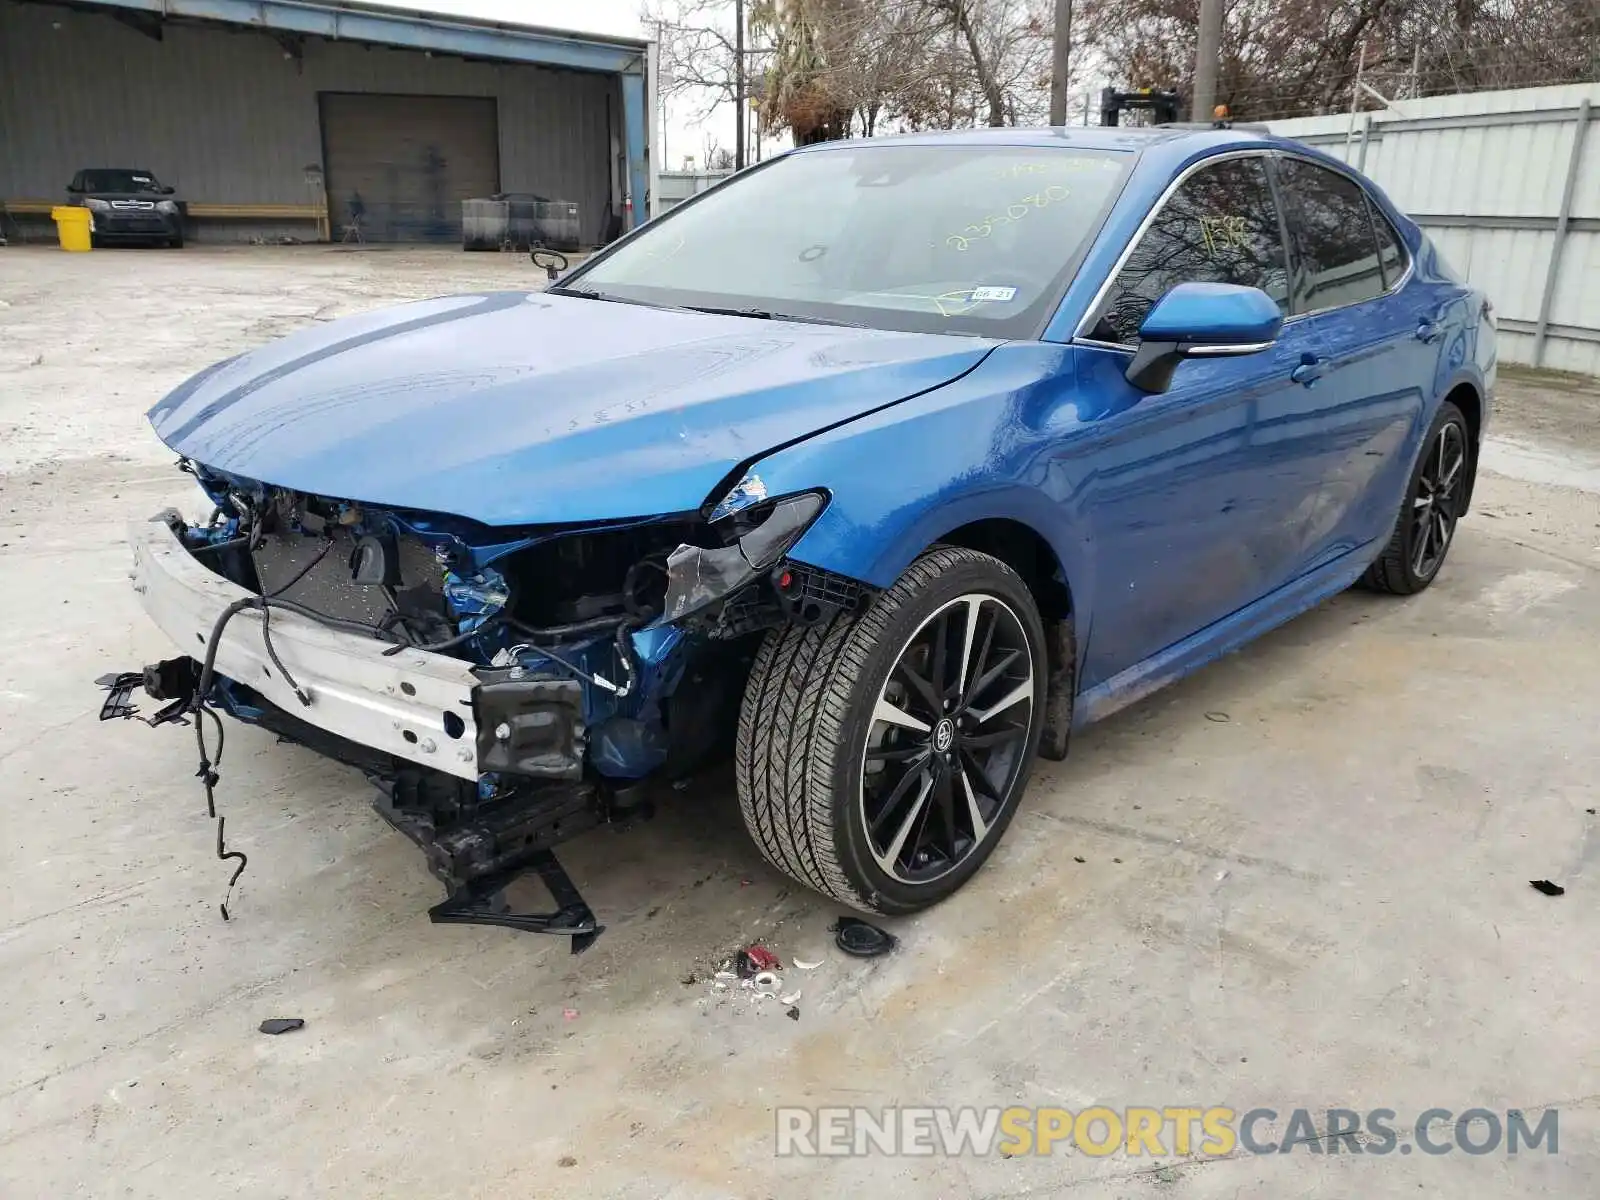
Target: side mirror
(74, 190)
(1201, 320)
(168, 190)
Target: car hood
(527, 408)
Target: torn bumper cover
(414, 705)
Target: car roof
(1158, 152)
(1128, 139)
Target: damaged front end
(505, 688)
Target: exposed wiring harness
(207, 772)
(624, 628)
(209, 761)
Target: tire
(808, 722)
(176, 243)
(1412, 559)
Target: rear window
(962, 239)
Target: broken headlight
(761, 533)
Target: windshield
(110, 179)
(961, 239)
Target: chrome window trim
(1100, 345)
(1080, 335)
(1227, 349)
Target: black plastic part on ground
(861, 939)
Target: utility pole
(1208, 51)
(1058, 71)
(738, 85)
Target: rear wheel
(1427, 521)
(881, 756)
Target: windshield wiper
(762, 314)
(590, 294)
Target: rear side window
(1219, 226)
(1391, 254)
(1335, 249)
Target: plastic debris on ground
(1547, 888)
(765, 983)
(861, 939)
(752, 960)
(282, 1024)
(755, 972)
(569, 1014)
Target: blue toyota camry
(877, 468)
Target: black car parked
(127, 205)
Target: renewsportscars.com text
(1159, 1132)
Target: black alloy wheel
(1435, 506)
(948, 733)
(882, 753)
(1434, 502)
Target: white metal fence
(1508, 186)
(678, 186)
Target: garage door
(401, 165)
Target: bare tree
(697, 51)
(1296, 57)
(842, 65)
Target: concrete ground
(1297, 879)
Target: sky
(685, 134)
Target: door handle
(1309, 371)
(1428, 331)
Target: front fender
(975, 449)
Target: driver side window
(1220, 226)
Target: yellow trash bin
(72, 226)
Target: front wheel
(881, 756)
(1426, 524)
